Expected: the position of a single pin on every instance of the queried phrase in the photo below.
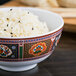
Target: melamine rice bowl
(23, 53)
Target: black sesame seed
(7, 18)
(19, 21)
(11, 27)
(11, 36)
(11, 33)
(7, 25)
(28, 12)
(10, 9)
(32, 28)
(4, 29)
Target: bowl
(24, 53)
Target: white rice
(20, 23)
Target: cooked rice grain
(20, 23)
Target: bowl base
(17, 69)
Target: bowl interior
(53, 20)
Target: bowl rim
(38, 9)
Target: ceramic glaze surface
(28, 49)
(23, 53)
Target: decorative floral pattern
(38, 48)
(5, 51)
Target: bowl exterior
(26, 49)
